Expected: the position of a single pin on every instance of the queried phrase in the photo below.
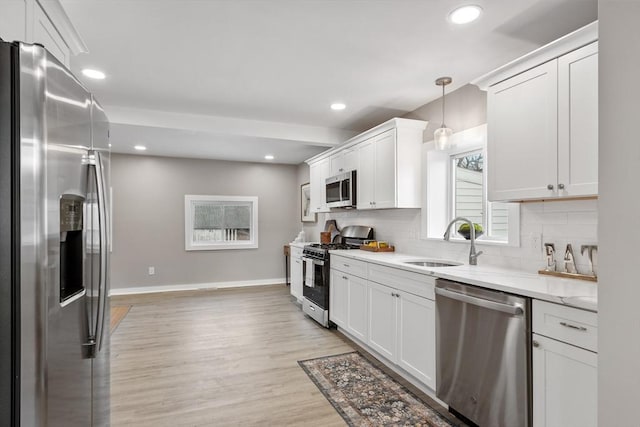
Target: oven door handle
(513, 309)
(313, 260)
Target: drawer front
(296, 252)
(567, 324)
(349, 265)
(414, 283)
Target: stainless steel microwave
(340, 190)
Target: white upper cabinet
(522, 135)
(543, 130)
(45, 23)
(578, 122)
(318, 173)
(46, 34)
(387, 161)
(377, 172)
(542, 116)
(366, 174)
(344, 161)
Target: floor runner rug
(365, 396)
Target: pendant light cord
(443, 106)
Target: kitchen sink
(431, 263)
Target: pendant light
(443, 133)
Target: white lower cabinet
(565, 384)
(402, 328)
(348, 303)
(295, 272)
(417, 337)
(395, 324)
(564, 366)
(382, 320)
(357, 307)
(338, 298)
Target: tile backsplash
(558, 222)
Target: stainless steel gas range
(316, 267)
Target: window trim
(437, 200)
(190, 200)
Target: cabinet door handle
(346, 265)
(345, 277)
(536, 344)
(393, 294)
(569, 325)
(549, 186)
(560, 186)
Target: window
(469, 196)
(220, 222)
(456, 186)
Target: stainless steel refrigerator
(54, 245)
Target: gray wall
(465, 108)
(619, 316)
(148, 219)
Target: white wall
(559, 222)
(619, 169)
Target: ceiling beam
(313, 135)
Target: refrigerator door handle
(102, 220)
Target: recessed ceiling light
(140, 147)
(93, 74)
(465, 14)
(269, 157)
(337, 106)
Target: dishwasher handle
(514, 309)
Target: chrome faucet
(569, 260)
(473, 256)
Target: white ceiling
(238, 79)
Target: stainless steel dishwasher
(483, 364)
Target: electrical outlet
(152, 271)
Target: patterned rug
(365, 396)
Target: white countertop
(577, 293)
(300, 245)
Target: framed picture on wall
(305, 204)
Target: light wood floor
(218, 358)
(118, 312)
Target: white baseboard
(194, 286)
